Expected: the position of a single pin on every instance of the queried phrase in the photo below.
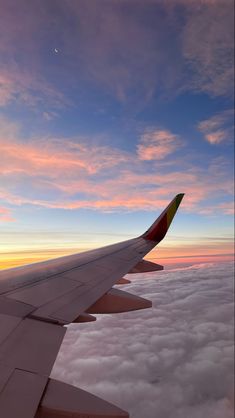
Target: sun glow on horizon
(164, 254)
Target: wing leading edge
(37, 300)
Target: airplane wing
(38, 300)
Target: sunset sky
(108, 109)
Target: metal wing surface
(36, 301)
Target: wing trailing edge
(117, 301)
(145, 266)
(67, 401)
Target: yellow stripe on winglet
(171, 214)
(173, 208)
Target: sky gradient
(107, 110)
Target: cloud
(216, 121)
(52, 157)
(216, 137)
(172, 361)
(183, 48)
(6, 90)
(30, 89)
(5, 215)
(49, 115)
(218, 128)
(74, 173)
(157, 144)
(134, 51)
(207, 45)
(227, 207)
(23, 78)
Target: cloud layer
(131, 50)
(172, 361)
(73, 173)
(207, 45)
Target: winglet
(159, 228)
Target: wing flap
(7, 324)
(116, 301)
(5, 373)
(45, 291)
(28, 350)
(123, 281)
(145, 266)
(13, 307)
(32, 346)
(64, 401)
(21, 394)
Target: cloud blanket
(172, 361)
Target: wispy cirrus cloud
(52, 157)
(227, 207)
(114, 50)
(128, 58)
(207, 46)
(219, 127)
(30, 89)
(71, 173)
(157, 144)
(22, 74)
(216, 137)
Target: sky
(108, 109)
(175, 360)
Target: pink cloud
(216, 121)
(57, 171)
(216, 137)
(53, 158)
(120, 192)
(218, 128)
(157, 144)
(5, 215)
(29, 89)
(227, 208)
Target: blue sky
(107, 110)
